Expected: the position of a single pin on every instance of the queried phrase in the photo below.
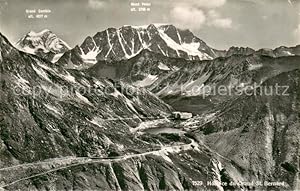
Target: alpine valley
(99, 116)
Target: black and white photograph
(158, 95)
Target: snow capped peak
(128, 41)
(157, 25)
(44, 43)
(33, 33)
(44, 37)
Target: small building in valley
(181, 115)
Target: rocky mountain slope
(141, 70)
(62, 129)
(259, 132)
(189, 85)
(76, 100)
(195, 87)
(67, 129)
(277, 52)
(128, 41)
(44, 44)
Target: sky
(220, 23)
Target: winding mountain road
(89, 160)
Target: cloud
(194, 14)
(210, 3)
(222, 23)
(215, 19)
(96, 4)
(188, 17)
(204, 4)
(297, 34)
(264, 17)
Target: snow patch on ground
(288, 53)
(189, 88)
(175, 68)
(57, 57)
(196, 87)
(21, 79)
(147, 81)
(85, 82)
(69, 77)
(107, 140)
(41, 73)
(217, 167)
(122, 46)
(129, 105)
(28, 50)
(90, 57)
(164, 155)
(191, 48)
(163, 67)
(161, 50)
(116, 94)
(45, 67)
(133, 55)
(98, 83)
(22, 83)
(128, 102)
(254, 66)
(52, 108)
(119, 146)
(82, 98)
(97, 121)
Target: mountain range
(56, 134)
(127, 41)
(99, 118)
(184, 84)
(115, 44)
